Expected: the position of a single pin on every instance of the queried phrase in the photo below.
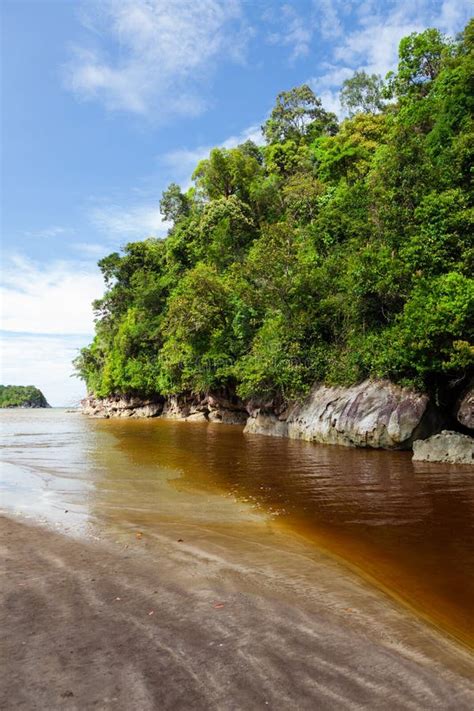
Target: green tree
(174, 205)
(227, 172)
(297, 114)
(362, 93)
(420, 60)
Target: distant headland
(22, 396)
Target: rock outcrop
(371, 414)
(121, 406)
(213, 407)
(447, 446)
(226, 409)
(266, 423)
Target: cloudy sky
(106, 102)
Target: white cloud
(52, 231)
(375, 47)
(372, 43)
(51, 299)
(296, 32)
(292, 27)
(91, 249)
(327, 14)
(136, 221)
(334, 77)
(46, 316)
(330, 101)
(182, 162)
(44, 361)
(453, 15)
(148, 56)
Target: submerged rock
(447, 446)
(371, 414)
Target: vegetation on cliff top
(335, 252)
(21, 396)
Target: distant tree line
(21, 396)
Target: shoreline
(171, 625)
(372, 414)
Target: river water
(406, 527)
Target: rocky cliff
(371, 414)
(217, 407)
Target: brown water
(408, 528)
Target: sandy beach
(98, 625)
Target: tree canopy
(298, 115)
(363, 93)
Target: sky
(105, 102)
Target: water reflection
(410, 529)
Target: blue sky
(106, 102)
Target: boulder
(266, 423)
(185, 407)
(196, 417)
(149, 410)
(447, 446)
(372, 414)
(465, 409)
(227, 417)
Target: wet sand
(190, 620)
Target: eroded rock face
(227, 417)
(447, 446)
(371, 414)
(182, 407)
(224, 409)
(194, 408)
(265, 423)
(465, 409)
(120, 406)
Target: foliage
(227, 172)
(297, 115)
(174, 205)
(363, 93)
(333, 253)
(420, 61)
